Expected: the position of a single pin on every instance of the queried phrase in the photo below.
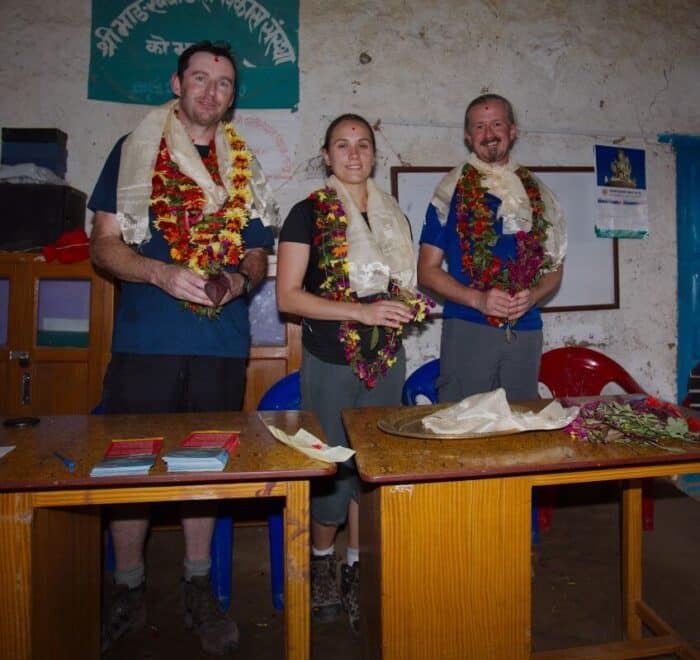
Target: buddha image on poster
(621, 200)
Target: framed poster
(591, 269)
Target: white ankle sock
(322, 553)
(196, 568)
(131, 577)
(352, 556)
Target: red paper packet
(134, 446)
(227, 440)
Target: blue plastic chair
(422, 382)
(285, 394)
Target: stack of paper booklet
(202, 451)
(128, 456)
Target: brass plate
(407, 422)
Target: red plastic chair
(579, 371)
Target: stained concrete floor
(576, 597)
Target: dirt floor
(576, 597)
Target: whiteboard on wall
(591, 275)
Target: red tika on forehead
(216, 58)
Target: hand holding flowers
(389, 313)
(370, 370)
(487, 272)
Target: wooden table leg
(449, 563)
(631, 557)
(297, 593)
(15, 575)
(49, 580)
(66, 553)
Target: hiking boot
(127, 612)
(350, 594)
(325, 601)
(218, 633)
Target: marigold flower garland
(475, 227)
(332, 243)
(205, 243)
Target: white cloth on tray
(489, 412)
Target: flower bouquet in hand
(478, 237)
(368, 371)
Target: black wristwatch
(247, 284)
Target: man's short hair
(489, 98)
(217, 48)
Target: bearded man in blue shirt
(502, 234)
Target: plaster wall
(577, 73)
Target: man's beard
(492, 149)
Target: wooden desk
(445, 540)
(50, 540)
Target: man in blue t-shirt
(502, 234)
(181, 214)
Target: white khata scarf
(138, 158)
(386, 251)
(502, 182)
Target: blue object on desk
(65, 460)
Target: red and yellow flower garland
(332, 243)
(475, 227)
(205, 243)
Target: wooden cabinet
(55, 335)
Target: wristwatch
(247, 284)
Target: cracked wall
(577, 74)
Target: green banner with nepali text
(135, 44)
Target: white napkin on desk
(489, 412)
(307, 443)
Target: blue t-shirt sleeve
(433, 233)
(104, 195)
